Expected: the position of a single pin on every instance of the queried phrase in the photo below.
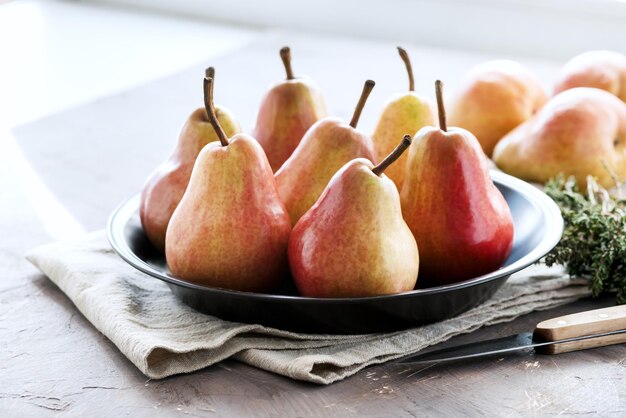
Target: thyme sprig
(594, 241)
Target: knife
(579, 331)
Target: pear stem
(367, 89)
(407, 62)
(285, 55)
(210, 110)
(210, 73)
(395, 154)
(441, 110)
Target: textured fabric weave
(164, 337)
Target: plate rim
(532, 194)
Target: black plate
(538, 228)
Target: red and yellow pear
(579, 132)
(497, 96)
(605, 70)
(404, 112)
(325, 148)
(167, 184)
(287, 111)
(353, 242)
(230, 229)
(460, 220)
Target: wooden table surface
(92, 157)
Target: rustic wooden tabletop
(92, 157)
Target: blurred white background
(60, 54)
(547, 28)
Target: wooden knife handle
(581, 324)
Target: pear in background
(353, 242)
(230, 229)
(605, 70)
(579, 132)
(287, 111)
(460, 220)
(166, 185)
(497, 96)
(404, 113)
(325, 148)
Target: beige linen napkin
(163, 337)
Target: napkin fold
(163, 337)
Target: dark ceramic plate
(538, 228)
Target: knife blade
(596, 328)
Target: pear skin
(405, 113)
(460, 220)
(325, 148)
(230, 230)
(353, 242)
(579, 132)
(166, 185)
(497, 96)
(605, 70)
(287, 111)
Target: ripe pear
(230, 229)
(353, 242)
(460, 220)
(497, 97)
(166, 185)
(605, 70)
(287, 111)
(405, 112)
(579, 132)
(325, 148)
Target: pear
(604, 70)
(405, 112)
(353, 242)
(287, 111)
(230, 229)
(460, 220)
(166, 185)
(579, 132)
(497, 96)
(325, 148)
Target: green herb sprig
(594, 241)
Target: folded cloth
(163, 337)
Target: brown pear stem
(407, 62)
(367, 89)
(395, 154)
(210, 73)
(210, 110)
(442, 110)
(285, 55)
